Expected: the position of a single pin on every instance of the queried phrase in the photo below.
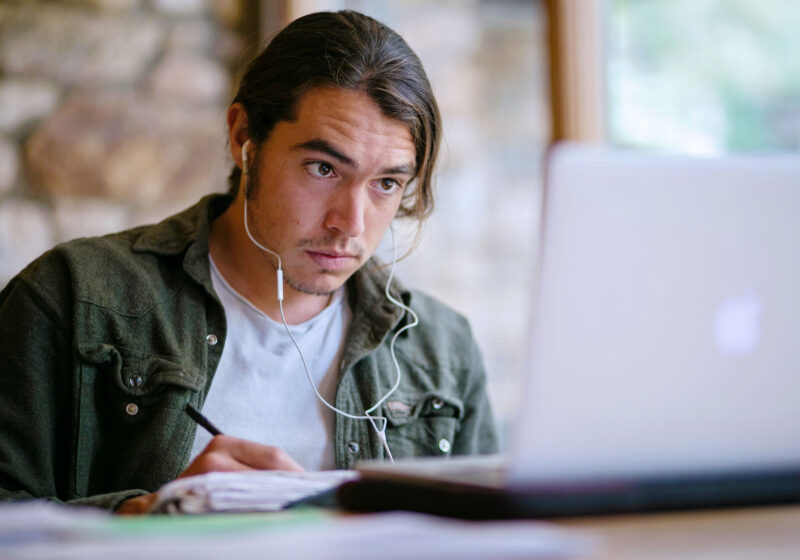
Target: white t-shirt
(260, 391)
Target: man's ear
(238, 132)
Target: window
(704, 76)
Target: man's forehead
(350, 123)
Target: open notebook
(664, 366)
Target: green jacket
(103, 342)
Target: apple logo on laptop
(737, 327)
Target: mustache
(333, 244)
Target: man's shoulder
(84, 250)
(439, 320)
(426, 304)
(89, 268)
(82, 256)
(117, 269)
(86, 256)
(436, 316)
(126, 252)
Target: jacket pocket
(117, 374)
(422, 425)
(132, 429)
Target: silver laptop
(664, 367)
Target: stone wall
(111, 115)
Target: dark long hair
(346, 50)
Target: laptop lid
(666, 325)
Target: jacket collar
(173, 235)
(187, 233)
(374, 316)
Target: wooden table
(754, 534)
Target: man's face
(329, 184)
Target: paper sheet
(244, 490)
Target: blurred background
(112, 115)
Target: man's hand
(223, 453)
(136, 506)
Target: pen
(195, 415)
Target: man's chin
(317, 287)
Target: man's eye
(389, 185)
(320, 169)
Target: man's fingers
(136, 506)
(226, 453)
(213, 461)
(256, 455)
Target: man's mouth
(332, 260)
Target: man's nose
(346, 208)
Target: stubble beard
(322, 244)
(305, 289)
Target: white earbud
(244, 156)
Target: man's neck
(251, 272)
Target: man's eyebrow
(320, 145)
(405, 169)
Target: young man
(103, 342)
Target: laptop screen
(666, 325)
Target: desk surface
(757, 533)
(767, 533)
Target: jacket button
(444, 446)
(212, 339)
(135, 380)
(353, 447)
(437, 404)
(132, 409)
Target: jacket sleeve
(478, 434)
(37, 418)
